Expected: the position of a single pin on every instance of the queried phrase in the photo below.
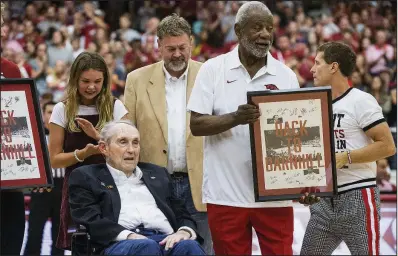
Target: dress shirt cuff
(123, 235)
(194, 236)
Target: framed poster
(292, 144)
(24, 157)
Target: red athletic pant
(231, 229)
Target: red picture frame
(23, 147)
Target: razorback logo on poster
(23, 151)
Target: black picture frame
(29, 123)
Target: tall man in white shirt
(362, 137)
(219, 111)
(128, 207)
(156, 98)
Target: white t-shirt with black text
(355, 112)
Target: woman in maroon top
(75, 124)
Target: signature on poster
(9, 101)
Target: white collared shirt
(221, 86)
(138, 206)
(176, 89)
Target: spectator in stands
(356, 23)
(76, 47)
(31, 13)
(92, 47)
(149, 49)
(119, 49)
(46, 97)
(329, 27)
(59, 50)
(150, 32)
(356, 80)
(125, 32)
(30, 34)
(75, 30)
(24, 67)
(57, 79)
(39, 64)
(293, 64)
(104, 48)
(215, 33)
(30, 50)
(383, 177)
(283, 49)
(101, 37)
(50, 20)
(361, 65)
(118, 77)
(135, 58)
(63, 17)
(144, 13)
(295, 35)
(392, 117)
(92, 21)
(379, 55)
(379, 90)
(228, 22)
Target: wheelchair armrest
(81, 242)
(81, 228)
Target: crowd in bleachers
(44, 37)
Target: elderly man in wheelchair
(126, 207)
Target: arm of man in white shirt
(201, 102)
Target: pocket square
(103, 184)
(152, 177)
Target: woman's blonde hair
(104, 100)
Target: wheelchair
(81, 242)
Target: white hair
(108, 131)
(246, 8)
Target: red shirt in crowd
(9, 69)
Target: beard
(177, 65)
(253, 49)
